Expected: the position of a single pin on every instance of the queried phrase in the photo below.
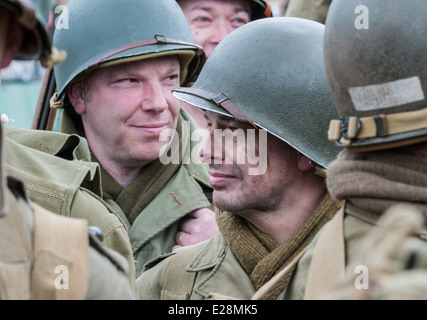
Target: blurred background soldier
(265, 80)
(212, 20)
(45, 255)
(376, 67)
(316, 10)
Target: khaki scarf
(374, 181)
(151, 179)
(259, 255)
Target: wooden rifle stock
(44, 116)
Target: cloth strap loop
(348, 129)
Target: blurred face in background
(11, 34)
(212, 20)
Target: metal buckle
(380, 125)
(161, 39)
(345, 125)
(219, 98)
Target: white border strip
(387, 95)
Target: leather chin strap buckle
(221, 100)
(348, 129)
(158, 39)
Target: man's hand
(197, 226)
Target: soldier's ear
(304, 163)
(75, 95)
(13, 43)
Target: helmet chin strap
(348, 129)
(54, 58)
(158, 39)
(220, 100)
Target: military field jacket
(152, 234)
(58, 175)
(356, 224)
(34, 241)
(214, 266)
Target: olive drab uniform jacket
(58, 176)
(52, 257)
(316, 10)
(199, 270)
(334, 256)
(219, 267)
(153, 231)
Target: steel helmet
(270, 73)
(377, 70)
(107, 32)
(36, 43)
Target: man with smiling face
(212, 20)
(266, 156)
(135, 99)
(117, 94)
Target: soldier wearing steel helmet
(45, 255)
(265, 80)
(211, 20)
(375, 246)
(124, 59)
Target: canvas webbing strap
(328, 262)
(15, 252)
(61, 266)
(220, 100)
(158, 39)
(349, 128)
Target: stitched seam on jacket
(46, 191)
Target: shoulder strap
(328, 262)
(61, 264)
(178, 282)
(16, 251)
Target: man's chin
(222, 199)
(146, 158)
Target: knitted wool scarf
(262, 257)
(374, 181)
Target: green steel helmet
(270, 73)
(108, 32)
(376, 66)
(36, 43)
